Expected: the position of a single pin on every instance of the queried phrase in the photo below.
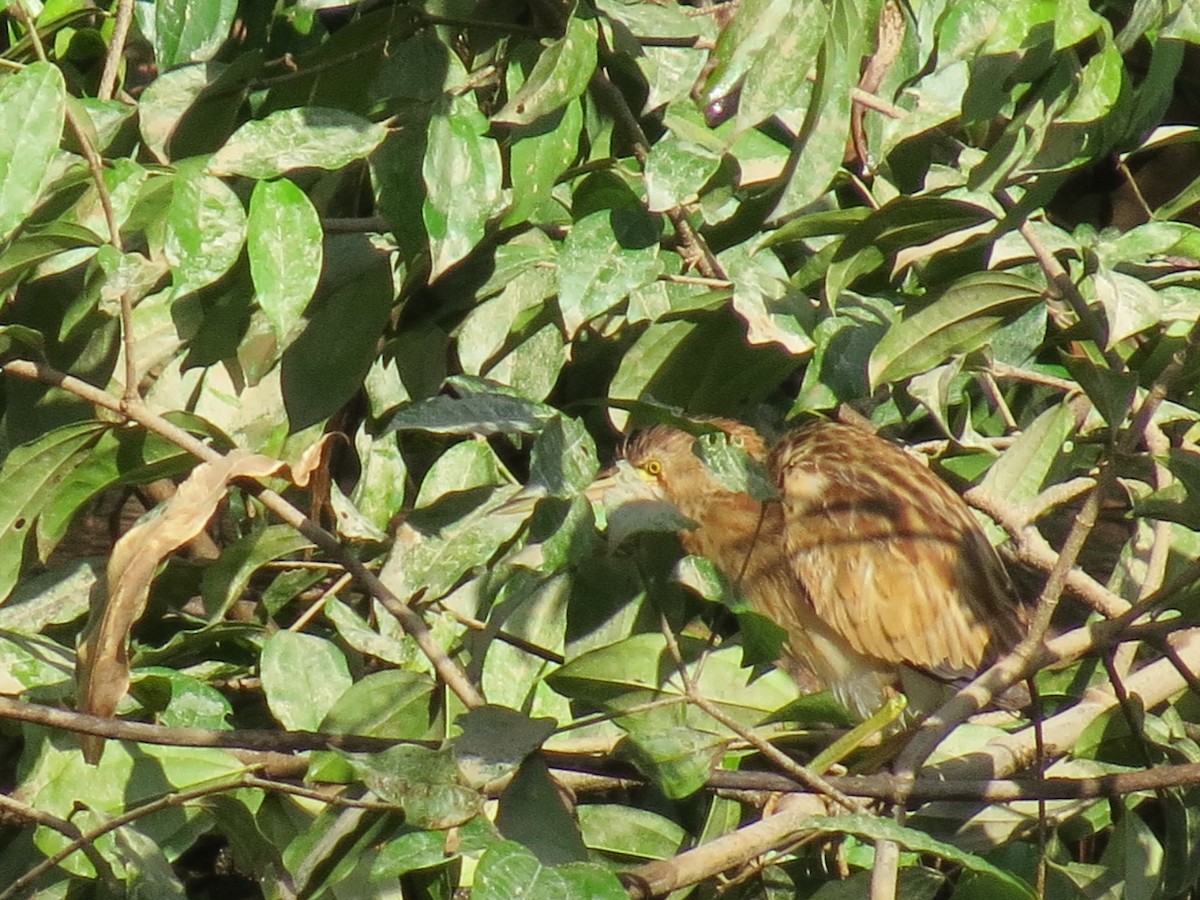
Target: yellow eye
(652, 467)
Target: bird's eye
(652, 467)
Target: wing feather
(891, 558)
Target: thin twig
(145, 733)
(768, 750)
(116, 50)
(12, 807)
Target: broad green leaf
(121, 456)
(179, 700)
(824, 128)
(325, 366)
(1130, 305)
(32, 110)
(1022, 469)
(461, 171)
(301, 138)
(531, 812)
(900, 226)
(606, 255)
(431, 564)
(538, 156)
(59, 782)
(190, 30)
(733, 467)
(495, 741)
(560, 75)
(749, 36)
(29, 480)
(564, 457)
(629, 832)
(302, 676)
(483, 414)
(533, 366)
(466, 465)
(52, 598)
(508, 870)
(28, 662)
(357, 634)
(1002, 884)
(959, 321)
(678, 759)
(226, 579)
(164, 102)
(774, 311)
(424, 782)
(392, 703)
(677, 171)
(778, 75)
(284, 243)
(206, 226)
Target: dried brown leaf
(103, 667)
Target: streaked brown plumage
(876, 569)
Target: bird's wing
(891, 559)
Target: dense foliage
(394, 264)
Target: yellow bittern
(875, 568)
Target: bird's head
(665, 459)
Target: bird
(878, 572)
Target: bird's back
(891, 560)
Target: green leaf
(749, 36)
(678, 759)
(563, 460)
(30, 661)
(606, 255)
(206, 226)
(508, 870)
(483, 414)
(560, 75)
(630, 833)
(495, 741)
(121, 456)
(179, 700)
(462, 172)
(284, 243)
(538, 156)
(33, 104)
(532, 812)
(326, 365)
(424, 782)
(393, 704)
(301, 138)
(1001, 883)
(733, 467)
(302, 676)
(1022, 469)
(190, 30)
(432, 563)
(959, 321)
(777, 77)
(226, 579)
(29, 481)
(677, 171)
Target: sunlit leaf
(32, 109)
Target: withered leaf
(103, 666)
